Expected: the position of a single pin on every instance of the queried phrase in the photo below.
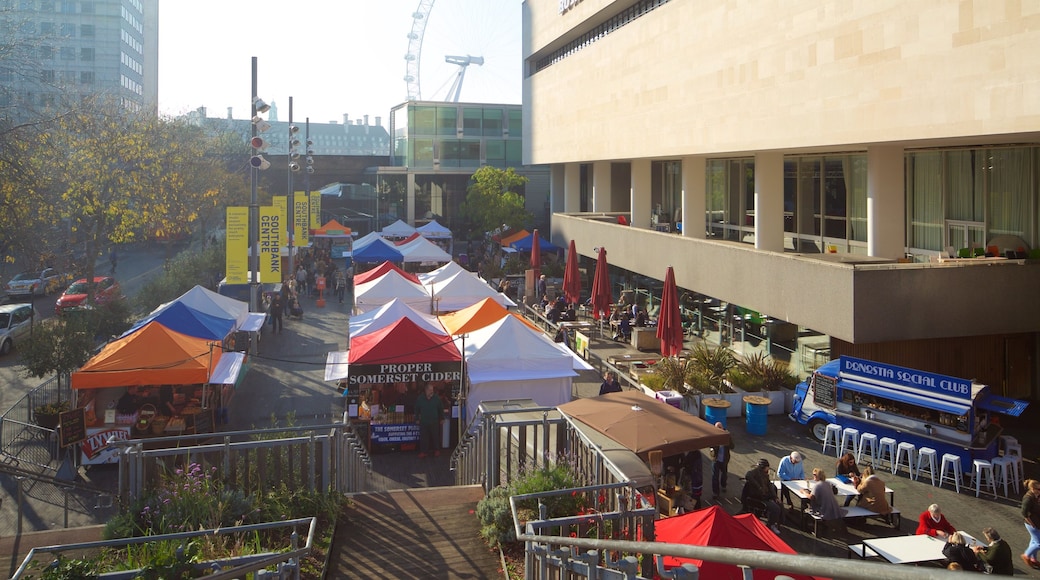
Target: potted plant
(651, 383)
(46, 415)
(759, 373)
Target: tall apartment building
(59, 50)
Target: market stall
(397, 230)
(390, 286)
(439, 234)
(462, 290)
(422, 251)
(334, 237)
(389, 313)
(376, 251)
(369, 275)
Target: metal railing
(23, 442)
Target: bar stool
(1013, 451)
(868, 439)
(1003, 472)
(953, 462)
(849, 440)
(926, 455)
(887, 444)
(833, 433)
(982, 469)
(909, 450)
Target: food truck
(948, 414)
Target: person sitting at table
(931, 522)
(954, 566)
(821, 497)
(872, 493)
(570, 314)
(758, 488)
(790, 469)
(846, 469)
(957, 550)
(997, 555)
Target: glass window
(422, 153)
(68, 30)
(450, 152)
(516, 123)
(86, 30)
(86, 77)
(46, 52)
(447, 121)
(469, 153)
(423, 121)
(471, 122)
(857, 186)
(492, 122)
(46, 28)
(68, 53)
(1010, 192)
(715, 197)
(46, 5)
(835, 196)
(86, 54)
(924, 196)
(514, 153)
(495, 152)
(87, 6)
(47, 76)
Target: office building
(821, 162)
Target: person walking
(113, 260)
(429, 412)
(1031, 515)
(277, 307)
(341, 284)
(719, 467)
(610, 383)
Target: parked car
(15, 324)
(36, 283)
(106, 289)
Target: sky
(334, 57)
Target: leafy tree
(60, 347)
(492, 200)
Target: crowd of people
(312, 264)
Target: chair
(992, 251)
(831, 437)
(1013, 451)
(849, 440)
(887, 444)
(1003, 472)
(865, 440)
(908, 450)
(982, 476)
(951, 465)
(926, 455)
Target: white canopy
(389, 313)
(422, 250)
(398, 229)
(365, 240)
(508, 360)
(228, 368)
(434, 230)
(336, 365)
(443, 273)
(462, 290)
(213, 304)
(385, 288)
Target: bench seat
(854, 512)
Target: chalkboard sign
(72, 427)
(824, 391)
(201, 421)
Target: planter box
(645, 339)
(736, 404)
(648, 391)
(777, 402)
(788, 400)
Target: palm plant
(712, 363)
(674, 372)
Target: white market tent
(508, 360)
(443, 273)
(462, 290)
(389, 313)
(434, 230)
(422, 250)
(372, 295)
(365, 240)
(398, 229)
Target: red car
(105, 289)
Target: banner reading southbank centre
(236, 253)
(315, 210)
(301, 219)
(281, 203)
(272, 227)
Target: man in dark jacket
(997, 555)
(758, 488)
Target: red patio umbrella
(602, 295)
(536, 254)
(571, 277)
(669, 319)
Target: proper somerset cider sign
(72, 427)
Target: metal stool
(833, 434)
(1003, 472)
(849, 440)
(926, 455)
(887, 444)
(1013, 451)
(868, 439)
(955, 474)
(982, 469)
(910, 451)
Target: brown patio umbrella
(601, 292)
(669, 319)
(571, 276)
(643, 424)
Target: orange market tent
(332, 229)
(154, 355)
(481, 314)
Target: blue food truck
(948, 414)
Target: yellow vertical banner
(315, 210)
(281, 203)
(301, 219)
(270, 244)
(236, 252)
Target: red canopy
(536, 254)
(602, 295)
(669, 319)
(381, 269)
(571, 276)
(402, 342)
(714, 527)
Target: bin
(670, 397)
(715, 411)
(756, 412)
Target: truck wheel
(818, 429)
(5, 347)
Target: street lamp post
(290, 204)
(254, 207)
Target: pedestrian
(277, 306)
(429, 412)
(691, 477)
(341, 284)
(931, 522)
(790, 469)
(610, 383)
(540, 288)
(1031, 515)
(997, 555)
(719, 466)
(758, 488)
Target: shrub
(495, 515)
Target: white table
(907, 549)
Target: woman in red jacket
(933, 523)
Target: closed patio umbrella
(571, 277)
(536, 255)
(669, 319)
(602, 296)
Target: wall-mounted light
(261, 106)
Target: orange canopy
(332, 226)
(514, 237)
(154, 355)
(481, 314)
